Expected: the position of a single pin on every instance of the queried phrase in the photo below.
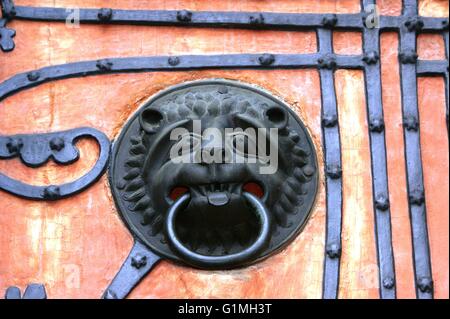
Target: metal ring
(226, 261)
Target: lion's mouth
(218, 220)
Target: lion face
(217, 166)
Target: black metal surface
(421, 250)
(259, 20)
(199, 260)
(32, 291)
(6, 37)
(137, 265)
(333, 170)
(375, 118)
(160, 63)
(37, 149)
(217, 221)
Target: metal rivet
(256, 20)
(371, 57)
(308, 170)
(52, 192)
(138, 261)
(328, 61)
(414, 24)
(333, 250)
(105, 14)
(173, 60)
(382, 202)
(329, 120)
(408, 57)
(57, 144)
(425, 284)
(376, 125)
(184, 16)
(266, 59)
(33, 76)
(416, 197)
(334, 171)
(104, 65)
(411, 123)
(14, 145)
(388, 282)
(330, 21)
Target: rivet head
(376, 125)
(414, 24)
(411, 123)
(138, 261)
(330, 20)
(382, 202)
(408, 57)
(104, 65)
(14, 145)
(425, 284)
(329, 120)
(334, 171)
(105, 14)
(371, 57)
(33, 76)
(266, 59)
(327, 61)
(416, 197)
(256, 20)
(173, 60)
(308, 170)
(184, 16)
(52, 192)
(388, 282)
(333, 250)
(57, 144)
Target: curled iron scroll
(37, 149)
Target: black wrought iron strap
(37, 149)
(371, 46)
(333, 167)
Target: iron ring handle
(226, 261)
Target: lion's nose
(212, 155)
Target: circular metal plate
(144, 178)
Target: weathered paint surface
(434, 142)
(75, 246)
(401, 225)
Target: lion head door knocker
(212, 174)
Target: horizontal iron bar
(217, 18)
(165, 63)
(195, 18)
(427, 67)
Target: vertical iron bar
(333, 170)
(414, 170)
(371, 46)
